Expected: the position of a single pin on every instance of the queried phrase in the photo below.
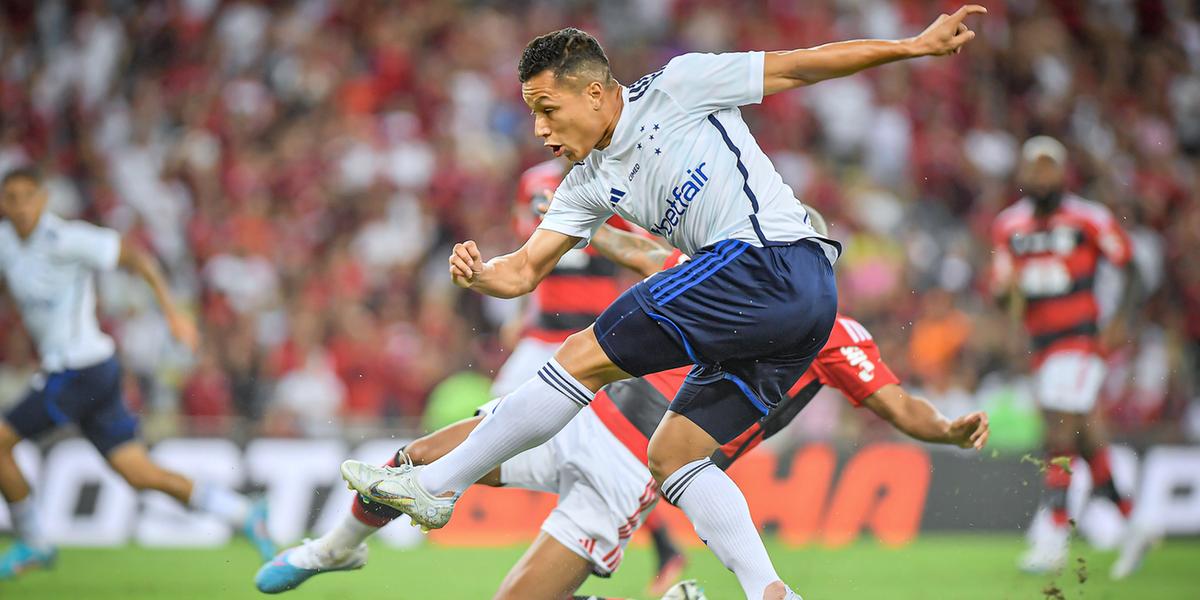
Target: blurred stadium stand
(300, 168)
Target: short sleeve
(703, 83)
(857, 370)
(576, 210)
(1112, 241)
(96, 247)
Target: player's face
(1044, 182)
(21, 203)
(566, 114)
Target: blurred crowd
(301, 167)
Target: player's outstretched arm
(630, 250)
(919, 419)
(510, 275)
(146, 267)
(794, 68)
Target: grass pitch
(936, 567)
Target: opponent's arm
(630, 250)
(146, 267)
(791, 69)
(510, 275)
(919, 419)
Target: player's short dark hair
(566, 52)
(30, 173)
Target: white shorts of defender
(604, 491)
(522, 365)
(1069, 381)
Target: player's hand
(1115, 335)
(541, 203)
(948, 33)
(465, 264)
(183, 328)
(970, 431)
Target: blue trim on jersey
(687, 347)
(720, 251)
(749, 394)
(734, 252)
(737, 155)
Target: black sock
(664, 548)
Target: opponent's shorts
(90, 397)
(751, 319)
(1069, 381)
(604, 492)
(530, 355)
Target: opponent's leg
(32, 549)
(522, 420)
(1048, 551)
(132, 461)
(529, 416)
(1139, 535)
(1093, 446)
(678, 454)
(670, 560)
(547, 570)
(343, 547)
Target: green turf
(967, 567)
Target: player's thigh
(633, 341)
(547, 570)
(30, 417)
(1061, 429)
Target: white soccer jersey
(51, 277)
(683, 164)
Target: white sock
(221, 501)
(343, 539)
(26, 522)
(525, 419)
(721, 517)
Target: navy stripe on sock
(570, 382)
(676, 490)
(548, 377)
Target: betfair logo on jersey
(681, 198)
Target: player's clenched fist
(465, 264)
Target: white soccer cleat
(399, 488)
(685, 590)
(1048, 553)
(1137, 542)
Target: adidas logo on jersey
(681, 199)
(615, 195)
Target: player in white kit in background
(49, 267)
(672, 154)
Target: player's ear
(595, 92)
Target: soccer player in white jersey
(49, 266)
(672, 154)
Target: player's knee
(663, 459)
(582, 357)
(141, 480)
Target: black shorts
(751, 319)
(91, 398)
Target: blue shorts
(91, 398)
(750, 319)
